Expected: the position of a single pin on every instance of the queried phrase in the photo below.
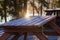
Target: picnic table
(55, 11)
(32, 25)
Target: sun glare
(27, 14)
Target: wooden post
(25, 36)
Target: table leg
(25, 36)
(17, 35)
(5, 36)
(54, 13)
(41, 36)
(58, 13)
(54, 26)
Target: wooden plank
(25, 36)
(16, 36)
(27, 29)
(29, 21)
(41, 36)
(34, 21)
(57, 10)
(46, 20)
(54, 26)
(5, 36)
(51, 33)
(22, 21)
(19, 21)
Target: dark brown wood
(25, 36)
(5, 36)
(54, 26)
(55, 11)
(51, 33)
(16, 37)
(41, 36)
(18, 30)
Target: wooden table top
(31, 21)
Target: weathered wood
(5, 36)
(41, 36)
(55, 11)
(54, 26)
(25, 36)
(51, 33)
(32, 21)
(28, 29)
(16, 36)
(33, 26)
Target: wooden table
(50, 11)
(32, 25)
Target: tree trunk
(25, 7)
(5, 14)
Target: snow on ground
(8, 18)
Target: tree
(58, 3)
(42, 2)
(23, 7)
(1, 10)
(5, 3)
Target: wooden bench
(55, 11)
(32, 25)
